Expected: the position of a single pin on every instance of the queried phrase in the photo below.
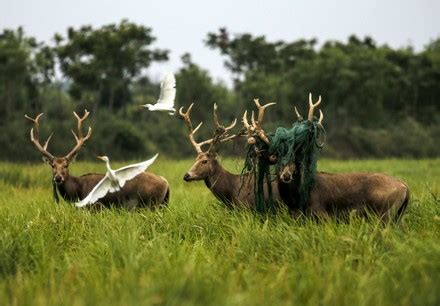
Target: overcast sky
(181, 26)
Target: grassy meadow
(197, 252)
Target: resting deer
(231, 189)
(338, 194)
(145, 189)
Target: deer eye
(204, 161)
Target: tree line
(378, 101)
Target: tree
(25, 66)
(251, 54)
(367, 89)
(194, 84)
(101, 63)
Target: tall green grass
(197, 252)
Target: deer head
(255, 128)
(206, 161)
(287, 171)
(60, 165)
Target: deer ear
(46, 160)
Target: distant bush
(408, 138)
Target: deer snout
(286, 177)
(187, 177)
(58, 179)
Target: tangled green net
(298, 145)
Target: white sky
(181, 26)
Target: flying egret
(167, 96)
(114, 180)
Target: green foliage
(194, 85)
(25, 65)
(252, 54)
(365, 87)
(104, 61)
(377, 101)
(197, 252)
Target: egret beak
(100, 157)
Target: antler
(220, 132)
(218, 125)
(321, 117)
(261, 110)
(255, 128)
(300, 118)
(192, 131)
(312, 107)
(249, 128)
(80, 139)
(35, 134)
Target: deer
(337, 195)
(145, 190)
(234, 190)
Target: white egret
(167, 96)
(114, 180)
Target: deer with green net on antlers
(293, 152)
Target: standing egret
(114, 180)
(167, 96)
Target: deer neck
(70, 189)
(289, 192)
(221, 182)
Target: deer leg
(295, 213)
(321, 214)
(131, 205)
(317, 208)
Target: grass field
(196, 252)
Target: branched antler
(312, 107)
(255, 129)
(220, 135)
(79, 138)
(35, 134)
(221, 132)
(186, 117)
(261, 110)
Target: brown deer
(143, 190)
(232, 189)
(338, 195)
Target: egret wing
(168, 91)
(98, 192)
(126, 173)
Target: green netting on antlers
(256, 164)
(298, 145)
